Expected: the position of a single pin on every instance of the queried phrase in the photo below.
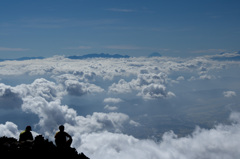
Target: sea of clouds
(114, 108)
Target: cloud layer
(128, 108)
(219, 142)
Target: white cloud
(112, 100)
(9, 129)
(192, 78)
(79, 88)
(231, 56)
(222, 141)
(75, 88)
(51, 114)
(209, 51)
(141, 84)
(59, 65)
(97, 122)
(121, 87)
(43, 98)
(235, 117)
(206, 77)
(111, 108)
(134, 123)
(41, 87)
(89, 76)
(100, 135)
(180, 78)
(155, 91)
(9, 98)
(12, 49)
(219, 142)
(229, 94)
(46, 104)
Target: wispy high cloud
(121, 10)
(82, 47)
(209, 51)
(123, 47)
(112, 100)
(12, 49)
(44, 23)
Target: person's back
(61, 138)
(26, 134)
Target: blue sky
(136, 27)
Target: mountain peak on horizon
(155, 54)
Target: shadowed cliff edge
(38, 148)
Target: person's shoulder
(22, 132)
(57, 133)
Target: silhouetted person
(26, 135)
(62, 139)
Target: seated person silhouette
(26, 135)
(62, 139)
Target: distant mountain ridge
(22, 59)
(102, 55)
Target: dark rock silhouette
(39, 148)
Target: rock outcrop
(39, 148)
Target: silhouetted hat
(29, 128)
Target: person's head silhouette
(61, 128)
(28, 128)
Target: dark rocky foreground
(39, 148)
